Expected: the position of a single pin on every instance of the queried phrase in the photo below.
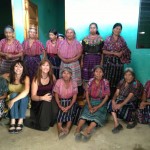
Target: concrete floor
(102, 139)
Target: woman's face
(45, 67)
(93, 29)
(66, 75)
(52, 36)
(9, 34)
(60, 38)
(32, 33)
(98, 74)
(18, 69)
(117, 30)
(128, 77)
(70, 34)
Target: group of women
(54, 76)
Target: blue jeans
(19, 108)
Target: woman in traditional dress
(44, 108)
(95, 110)
(116, 54)
(125, 101)
(19, 86)
(92, 52)
(32, 49)
(144, 109)
(52, 49)
(3, 95)
(69, 51)
(65, 95)
(10, 50)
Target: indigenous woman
(70, 51)
(32, 48)
(52, 49)
(19, 87)
(92, 52)
(61, 37)
(144, 109)
(95, 111)
(65, 95)
(116, 54)
(3, 95)
(125, 101)
(10, 50)
(43, 106)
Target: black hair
(61, 35)
(93, 23)
(98, 67)
(116, 25)
(12, 73)
(54, 31)
(8, 26)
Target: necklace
(44, 77)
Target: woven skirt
(76, 71)
(99, 117)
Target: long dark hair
(12, 73)
(93, 23)
(38, 75)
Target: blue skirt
(99, 117)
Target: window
(143, 36)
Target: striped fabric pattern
(76, 71)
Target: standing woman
(10, 50)
(116, 54)
(32, 49)
(19, 87)
(69, 51)
(52, 50)
(44, 108)
(92, 52)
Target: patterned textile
(32, 63)
(76, 71)
(92, 49)
(35, 49)
(113, 65)
(13, 48)
(3, 90)
(66, 116)
(144, 114)
(99, 117)
(65, 92)
(127, 112)
(67, 50)
(98, 91)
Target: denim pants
(19, 108)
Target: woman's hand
(113, 105)
(47, 97)
(67, 108)
(142, 105)
(95, 109)
(10, 104)
(8, 56)
(118, 106)
(118, 54)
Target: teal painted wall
(7, 18)
(79, 14)
(50, 15)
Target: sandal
(86, 136)
(117, 129)
(19, 128)
(12, 128)
(130, 126)
(78, 136)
